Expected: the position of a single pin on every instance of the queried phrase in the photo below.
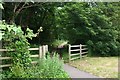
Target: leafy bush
(14, 38)
(100, 48)
(52, 67)
(2, 76)
(49, 67)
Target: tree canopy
(94, 23)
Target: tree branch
(32, 5)
(18, 11)
(23, 7)
(16, 6)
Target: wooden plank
(80, 51)
(1, 50)
(74, 54)
(83, 45)
(84, 56)
(6, 65)
(34, 62)
(84, 49)
(32, 49)
(69, 52)
(44, 51)
(2, 58)
(14, 49)
(84, 52)
(75, 50)
(34, 55)
(46, 48)
(75, 46)
(74, 58)
(40, 51)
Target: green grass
(65, 57)
(104, 67)
(119, 75)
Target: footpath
(76, 73)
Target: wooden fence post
(80, 51)
(0, 56)
(46, 48)
(69, 52)
(44, 51)
(40, 52)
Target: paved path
(75, 73)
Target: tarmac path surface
(76, 73)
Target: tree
(32, 15)
(94, 26)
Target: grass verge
(104, 67)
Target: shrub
(1, 76)
(49, 67)
(14, 38)
(52, 67)
(107, 48)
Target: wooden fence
(42, 50)
(77, 51)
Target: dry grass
(104, 67)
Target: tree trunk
(12, 20)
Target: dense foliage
(94, 24)
(46, 68)
(32, 15)
(13, 38)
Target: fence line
(42, 51)
(81, 50)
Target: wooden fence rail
(79, 51)
(42, 51)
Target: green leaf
(30, 33)
(9, 28)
